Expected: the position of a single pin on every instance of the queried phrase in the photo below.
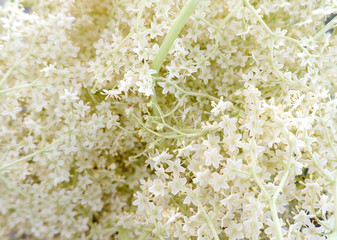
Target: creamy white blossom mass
(185, 119)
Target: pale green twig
(173, 33)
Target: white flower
(192, 197)
(213, 158)
(69, 96)
(218, 181)
(311, 189)
(212, 142)
(145, 87)
(157, 187)
(202, 177)
(177, 184)
(221, 107)
(141, 201)
(175, 166)
(156, 30)
(313, 232)
(113, 93)
(303, 218)
(167, 88)
(235, 231)
(232, 164)
(232, 202)
(296, 144)
(93, 141)
(174, 217)
(252, 227)
(228, 124)
(185, 151)
(231, 141)
(254, 207)
(159, 159)
(145, 82)
(271, 227)
(188, 226)
(204, 233)
(155, 212)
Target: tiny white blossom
(69, 96)
(157, 187)
(177, 184)
(213, 158)
(218, 181)
(221, 107)
(235, 231)
(141, 201)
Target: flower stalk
(173, 33)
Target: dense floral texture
(234, 138)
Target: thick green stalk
(173, 33)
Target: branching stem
(173, 33)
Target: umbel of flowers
(148, 119)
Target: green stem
(252, 9)
(26, 158)
(329, 139)
(276, 221)
(195, 132)
(325, 28)
(176, 107)
(189, 93)
(122, 234)
(4, 91)
(318, 220)
(173, 33)
(121, 44)
(313, 158)
(272, 200)
(18, 63)
(256, 178)
(208, 219)
(32, 84)
(285, 175)
(271, 33)
(10, 185)
(155, 104)
(230, 15)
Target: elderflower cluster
(185, 119)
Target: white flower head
(157, 187)
(69, 96)
(221, 107)
(213, 158)
(218, 181)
